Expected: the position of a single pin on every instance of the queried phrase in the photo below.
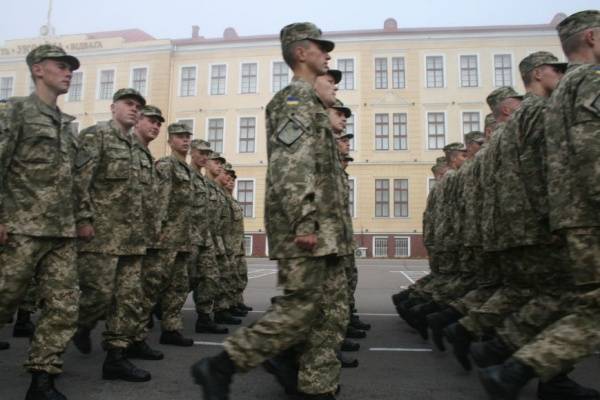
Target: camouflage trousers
(51, 261)
(111, 288)
(577, 334)
(241, 274)
(164, 281)
(227, 282)
(204, 278)
(312, 313)
(31, 300)
(349, 263)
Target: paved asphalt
(394, 362)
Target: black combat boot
(116, 366)
(245, 307)
(418, 316)
(347, 362)
(214, 374)
(42, 388)
(320, 396)
(23, 327)
(505, 381)
(491, 352)
(175, 338)
(284, 367)
(82, 340)
(400, 296)
(142, 351)
(561, 387)
(204, 324)
(438, 321)
(461, 340)
(224, 317)
(353, 333)
(349, 345)
(4, 345)
(237, 312)
(355, 322)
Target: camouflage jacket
(429, 218)
(236, 239)
(573, 148)
(37, 148)
(175, 202)
(109, 191)
(201, 227)
(149, 183)
(351, 246)
(472, 193)
(445, 238)
(303, 194)
(219, 215)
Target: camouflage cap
(177, 128)
(201, 145)
(46, 51)
(474, 136)
(338, 105)
(229, 169)
(538, 59)
(345, 136)
(440, 162)
(336, 74)
(217, 156)
(129, 93)
(490, 120)
(303, 31)
(348, 159)
(499, 95)
(152, 111)
(578, 22)
(456, 146)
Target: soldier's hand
(3, 235)
(306, 242)
(86, 232)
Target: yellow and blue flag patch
(292, 101)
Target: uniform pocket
(39, 143)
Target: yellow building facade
(411, 92)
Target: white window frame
(409, 246)
(257, 76)
(82, 71)
(388, 62)
(512, 67)
(14, 83)
(356, 69)
(273, 70)
(206, 125)
(401, 55)
(427, 184)
(147, 67)
(386, 246)
(249, 252)
(179, 81)
(239, 178)
(392, 130)
(99, 75)
(193, 124)
(444, 70)
(239, 125)
(460, 128)
(389, 125)
(390, 201)
(478, 71)
(427, 130)
(355, 138)
(354, 196)
(210, 66)
(393, 197)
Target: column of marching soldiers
(93, 228)
(512, 228)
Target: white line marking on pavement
(407, 277)
(259, 273)
(200, 343)
(401, 349)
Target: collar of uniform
(179, 158)
(44, 108)
(138, 141)
(573, 65)
(125, 136)
(197, 170)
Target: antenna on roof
(48, 29)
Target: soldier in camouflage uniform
(306, 236)
(109, 192)
(204, 272)
(37, 221)
(571, 124)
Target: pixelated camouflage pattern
(149, 186)
(204, 277)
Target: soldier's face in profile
(180, 143)
(230, 184)
(337, 119)
(215, 167)
(549, 76)
(200, 158)
(316, 58)
(54, 74)
(126, 111)
(343, 146)
(325, 88)
(148, 128)
(472, 149)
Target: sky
(173, 19)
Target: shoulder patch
(290, 132)
(292, 101)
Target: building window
(382, 198)
(503, 70)
(436, 130)
(281, 76)
(188, 82)
(76, 88)
(470, 122)
(402, 247)
(400, 197)
(189, 123)
(248, 245)
(6, 87)
(431, 183)
(435, 71)
(400, 131)
(215, 134)
(380, 246)
(218, 78)
(245, 196)
(350, 129)
(107, 84)
(249, 78)
(398, 73)
(468, 71)
(346, 65)
(351, 185)
(382, 132)
(381, 72)
(139, 80)
(247, 134)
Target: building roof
(130, 35)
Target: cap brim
(158, 117)
(347, 112)
(324, 44)
(134, 96)
(72, 61)
(561, 65)
(347, 135)
(336, 74)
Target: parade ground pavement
(395, 363)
